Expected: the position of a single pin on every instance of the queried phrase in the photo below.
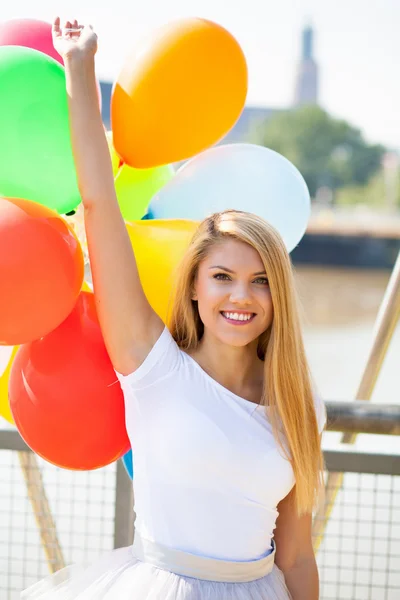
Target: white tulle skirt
(120, 575)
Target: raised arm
(129, 325)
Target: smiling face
(233, 295)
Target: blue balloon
(128, 463)
(242, 177)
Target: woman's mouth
(238, 318)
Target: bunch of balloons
(176, 96)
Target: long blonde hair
(288, 389)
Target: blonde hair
(288, 389)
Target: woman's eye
(261, 280)
(221, 276)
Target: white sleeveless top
(208, 474)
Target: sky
(356, 47)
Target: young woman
(220, 411)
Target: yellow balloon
(136, 187)
(159, 246)
(115, 159)
(86, 287)
(4, 379)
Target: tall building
(306, 90)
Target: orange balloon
(159, 246)
(41, 271)
(178, 94)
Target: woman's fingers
(56, 29)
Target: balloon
(136, 187)
(41, 271)
(127, 461)
(159, 247)
(30, 33)
(86, 287)
(36, 159)
(178, 94)
(5, 411)
(34, 34)
(65, 398)
(241, 177)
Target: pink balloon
(30, 33)
(34, 34)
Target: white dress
(208, 478)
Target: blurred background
(324, 92)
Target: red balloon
(34, 34)
(41, 271)
(65, 398)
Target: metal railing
(50, 516)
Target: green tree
(327, 151)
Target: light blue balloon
(241, 177)
(127, 460)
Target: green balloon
(136, 187)
(36, 161)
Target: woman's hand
(74, 40)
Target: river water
(339, 309)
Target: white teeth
(237, 316)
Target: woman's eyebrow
(230, 270)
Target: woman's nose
(240, 294)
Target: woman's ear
(194, 292)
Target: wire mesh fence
(358, 559)
(81, 512)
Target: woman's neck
(236, 368)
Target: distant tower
(306, 91)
